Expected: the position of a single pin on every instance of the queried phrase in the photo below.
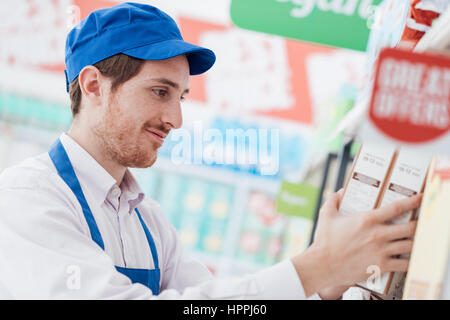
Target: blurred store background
(234, 217)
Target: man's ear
(90, 80)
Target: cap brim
(200, 59)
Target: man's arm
(46, 254)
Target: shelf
(220, 175)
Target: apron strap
(150, 241)
(65, 169)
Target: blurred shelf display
(34, 113)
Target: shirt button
(115, 192)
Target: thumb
(331, 206)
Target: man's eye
(160, 93)
(182, 98)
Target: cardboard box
(364, 186)
(429, 257)
(407, 178)
(380, 176)
(367, 178)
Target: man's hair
(119, 68)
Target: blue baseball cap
(137, 30)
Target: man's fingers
(399, 247)
(340, 194)
(397, 265)
(397, 208)
(400, 231)
(331, 206)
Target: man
(75, 224)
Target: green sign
(338, 23)
(297, 200)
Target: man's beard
(115, 135)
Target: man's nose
(172, 115)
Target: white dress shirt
(46, 249)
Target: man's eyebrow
(170, 83)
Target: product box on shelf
(216, 220)
(380, 176)
(407, 178)
(261, 235)
(429, 257)
(367, 177)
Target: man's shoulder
(32, 173)
(37, 177)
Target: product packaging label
(366, 180)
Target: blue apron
(149, 278)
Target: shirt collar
(131, 188)
(95, 177)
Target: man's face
(139, 114)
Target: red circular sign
(411, 97)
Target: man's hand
(333, 293)
(345, 245)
